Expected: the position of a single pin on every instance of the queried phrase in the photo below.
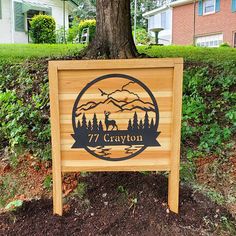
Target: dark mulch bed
(107, 209)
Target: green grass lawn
(190, 53)
(19, 52)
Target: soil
(25, 181)
(219, 175)
(118, 204)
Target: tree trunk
(113, 38)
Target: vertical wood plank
(173, 180)
(55, 134)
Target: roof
(166, 6)
(155, 11)
(35, 6)
(180, 2)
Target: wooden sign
(116, 115)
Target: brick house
(206, 23)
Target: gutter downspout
(194, 23)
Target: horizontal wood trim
(82, 154)
(158, 164)
(118, 63)
(74, 81)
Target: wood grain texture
(173, 181)
(118, 64)
(55, 134)
(162, 76)
(72, 81)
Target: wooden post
(55, 133)
(173, 180)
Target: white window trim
(209, 40)
(208, 13)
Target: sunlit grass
(19, 52)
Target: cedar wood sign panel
(116, 115)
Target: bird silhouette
(102, 92)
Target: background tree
(142, 7)
(113, 38)
(86, 9)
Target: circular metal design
(109, 78)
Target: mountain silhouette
(119, 105)
(130, 102)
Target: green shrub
(43, 29)
(74, 30)
(225, 45)
(143, 37)
(191, 53)
(77, 28)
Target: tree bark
(113, 37)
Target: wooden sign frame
(78, 70)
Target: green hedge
(209, 106)
(191, 53)
(42, 29)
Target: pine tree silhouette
(152, 126)
(130, 125)
(84, 122)
(135, 121)
(78, 125)
(95, 123)
(146, 121)
(140, 125)
(100, 126)
(89, 126)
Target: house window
(209, 6)
(29, 15)
(163, 20)
(210, 41)
(151, 22)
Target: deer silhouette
(109, 122)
